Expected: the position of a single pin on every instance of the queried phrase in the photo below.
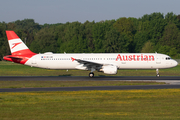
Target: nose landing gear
(157, 73)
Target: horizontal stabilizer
(13, 57)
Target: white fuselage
(121, 60)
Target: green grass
(35, 84)
(13, 69)
(87, 105)
(78, 105)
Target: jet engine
(111, 69)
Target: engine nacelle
(109, 69)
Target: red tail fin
(20, 52)
(16, 45)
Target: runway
(70, 78)
(173, 82)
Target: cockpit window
(168, 58)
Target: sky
(62, 11)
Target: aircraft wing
(89, 64)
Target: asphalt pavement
(172, 82)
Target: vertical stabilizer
(16, 45)
(20, 52)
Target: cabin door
(158, 59)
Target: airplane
(108, 63)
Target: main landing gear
(91, 74)
(157, 73)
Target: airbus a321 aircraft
(108, 63)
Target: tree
(172, 18)
(44, 41)
(140, 39)
(147, 48)
(27, 25)
(124, 25)
(170, 35)
(111, 43)
(155, 24)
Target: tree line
(155, 32)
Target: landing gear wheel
(91, 74)
(157, 75)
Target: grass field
(13, 69)
(82, 105)
(85, 105)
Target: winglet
(73, 59)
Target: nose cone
(175, 63)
